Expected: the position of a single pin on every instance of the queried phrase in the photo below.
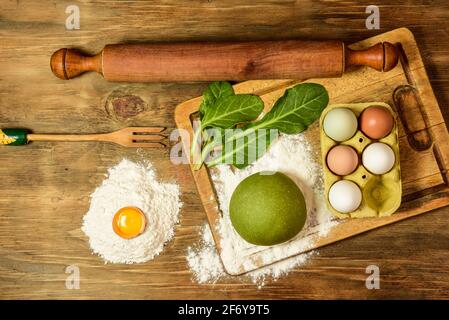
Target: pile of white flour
(293, 156)
(132, 184)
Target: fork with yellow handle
(133, 137)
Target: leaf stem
(207, 149)
(193, 149)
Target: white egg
(378, 158)
(345, 196)
(340, 124)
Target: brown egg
(342, 160)
(376, 122)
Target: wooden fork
(133, 137)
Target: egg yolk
(129, 222)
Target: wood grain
(46, 187)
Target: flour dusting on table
(293, 156)
(132, 184)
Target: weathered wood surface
(46, 187)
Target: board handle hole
(360, 140)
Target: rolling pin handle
(383, 56)
(68, 63)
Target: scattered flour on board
(293, 156)
(132, 184)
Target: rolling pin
(237, 61)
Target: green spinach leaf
(216, 90)
(229, 111)
(243, 151)
(223, 109)
(298, 108)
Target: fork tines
(149, 137)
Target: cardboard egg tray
(381, 194)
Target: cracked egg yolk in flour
(129, 222)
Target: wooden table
(46, 186)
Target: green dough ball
(267, 209)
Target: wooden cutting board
(424, 147)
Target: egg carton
(381, 194)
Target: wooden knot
(122, 107)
